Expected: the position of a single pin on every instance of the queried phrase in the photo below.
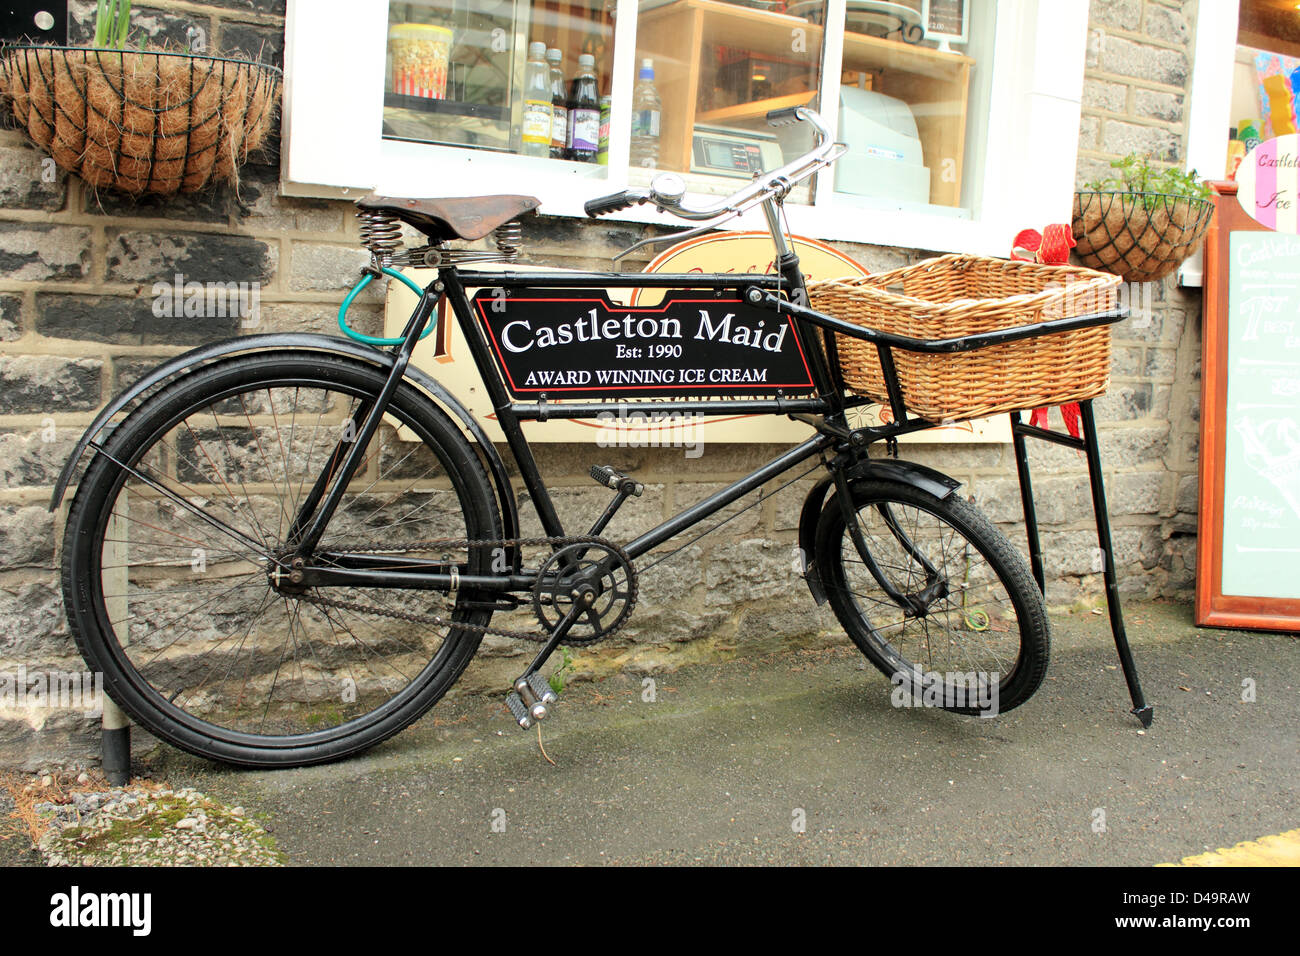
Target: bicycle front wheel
(176, 547)
(943, 605)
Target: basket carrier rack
(1087, 443)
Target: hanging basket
(1141, 237)
(140, 122)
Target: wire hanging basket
(141, 122)
(1141, 237)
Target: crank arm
(556, 638)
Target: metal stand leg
(1141, 709)
(1027, 503)
(1089, 446)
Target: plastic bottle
(537, 103)
(602, 149)
(559, 104)
(584, 112)
(645, 117)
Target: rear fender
(300, 340)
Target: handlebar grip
(784, 117)
(613, 202)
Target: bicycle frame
(828, 402)
(780, 293)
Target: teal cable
(357, 290)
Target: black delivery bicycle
(291, 545)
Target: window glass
(1266, 77)
(526, 78)
(913, 89)
(476, 73)
(718, 68)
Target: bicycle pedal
(616, 481)
(534, 697)
(542, 688)
(519, 710)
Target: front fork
(936, 585)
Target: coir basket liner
(956, 295)
(140, 121)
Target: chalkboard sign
(947, 20)
(1248, 571)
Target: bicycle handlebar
(667, 191)
(615, 202)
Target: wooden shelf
(755, 110)
(679, 35)
(425, 104)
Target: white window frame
(333, 98)
(1210, 106)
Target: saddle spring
(381, 234)
(509, 238)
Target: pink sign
(1269, 184)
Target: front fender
(299, 340)
(883, 469)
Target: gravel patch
(143, 826)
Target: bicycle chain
(437, 543)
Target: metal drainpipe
(117, 744)
(116, 725)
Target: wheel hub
(286, 576)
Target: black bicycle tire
(86, 522)
(1006, 562)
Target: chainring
(601, 566)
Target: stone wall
(1136, 96)
(76, 325)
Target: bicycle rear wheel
(174, 556)
(970, 634)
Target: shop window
(477, 74)
(938, 101)
(1266, 76)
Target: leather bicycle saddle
(463, 218)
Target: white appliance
(884, 157)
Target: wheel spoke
(184, 515)
(970, 622)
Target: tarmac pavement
(800, 758)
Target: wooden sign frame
(1213, 607)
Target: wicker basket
(956, 295)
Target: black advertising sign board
(578, 344)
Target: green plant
(112, 24)
(1137, 175)
(565, 668)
